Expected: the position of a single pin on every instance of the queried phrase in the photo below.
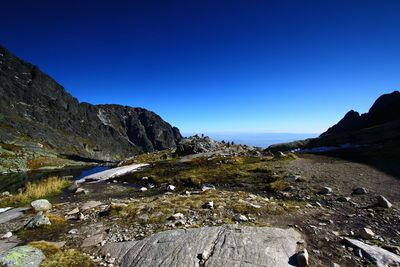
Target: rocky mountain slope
(39, 119)
(379, 127)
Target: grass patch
(226, 204)
(47, 248)
(217, 170)
(42, 162)
(36, 190)
(55, 219)
(68, 258)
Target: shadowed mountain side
(371, 138)
(37, 116)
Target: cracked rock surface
(228, 245)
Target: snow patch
(326, 148)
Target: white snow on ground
(111, 173)
(326, 148)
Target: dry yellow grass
(226, 203)
(47, 248)
(41, 189)
(68, 258)
(55, 219)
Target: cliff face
(36, 112)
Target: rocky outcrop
(228, 245)
(38, 115)
(195, 145)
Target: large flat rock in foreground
(227, 245)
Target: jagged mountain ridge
(385, 109)
(37, 112)
(379, 126)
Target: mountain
(380, 126)
(385, 109)
(38, 118)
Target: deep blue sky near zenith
(216, 66)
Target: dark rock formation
(38, 114)
(380, 126)
(385, 109)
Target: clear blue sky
(216, 65)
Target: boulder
(239, 218)
(92, 241)
(279, 155)
(39, 220)
(360, 191)
(208, 205)
(90, 204)
(379, 256)
(383, 202)
(11, 214)
(41, 205)
(343, 199)
(302, 258)
(195, 145)
(205, 187)
(143, 189)
(366, 233)
(170, 187)
(176, 216)
(227, 245)
(325, 190)
(6, 235)
(22, 256)
(81, 191)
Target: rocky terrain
(226, 205)
(190, 201)
(41, 125)
(378, 128)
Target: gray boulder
(379, 256)
(228, 245)
(239, 218)
(325, 190)
(195, 145)
(302, 258)
(39, 220)
(383, 202)
(41, 205)
(360, 191)
(11, 214)
(22, 256)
